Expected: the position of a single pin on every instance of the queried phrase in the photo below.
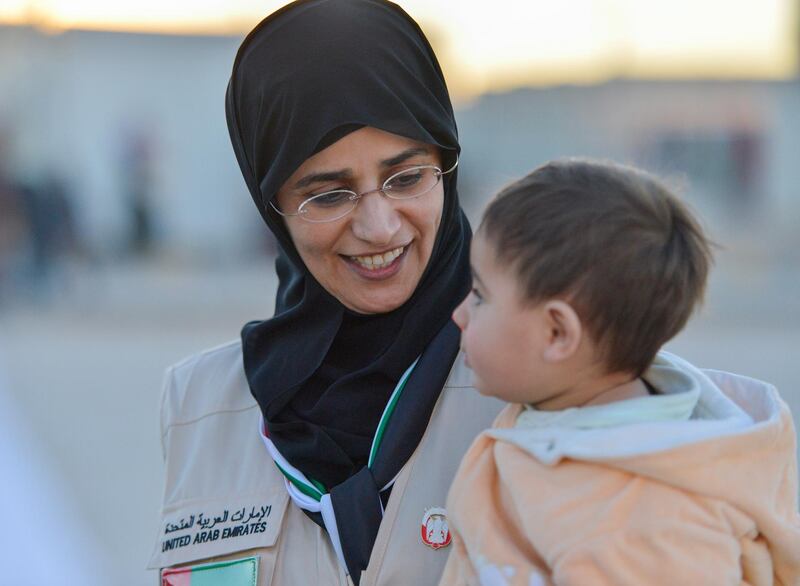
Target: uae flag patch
(241, 572)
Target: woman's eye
(406, 180)
(329, 199)
(477, 298)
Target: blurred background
(128, 239)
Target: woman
(319, 449)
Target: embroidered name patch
(205, 527)
(201, 529)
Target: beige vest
(224, 498)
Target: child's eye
(477, 298)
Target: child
(614, 463)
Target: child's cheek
(475, 355)
(470, 343)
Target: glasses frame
(356, 197)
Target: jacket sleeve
(667, 553)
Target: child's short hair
(614, 242)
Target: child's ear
(564, 331)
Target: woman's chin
(377, 303)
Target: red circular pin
(435, 531)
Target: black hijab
(306, 76)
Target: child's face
(503, 339)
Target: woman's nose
(375, 219)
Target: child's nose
(460, 315)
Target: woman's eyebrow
(404, 156)
(343, 174)
(324, 176)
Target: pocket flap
(199, 529)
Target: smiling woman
(352, 401)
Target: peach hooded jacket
(710, 500)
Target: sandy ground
(85, 371)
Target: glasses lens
(328, 206)
(411, 182)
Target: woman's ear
(564, 331)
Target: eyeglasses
(334, 205)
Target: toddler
(614, 463)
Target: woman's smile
(378, 265)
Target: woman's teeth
(378, 261)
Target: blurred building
(134, 125)
(731, 146)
